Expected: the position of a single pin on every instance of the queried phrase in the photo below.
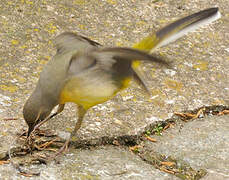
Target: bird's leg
(59, 110)
(81, 113)
(139, 78)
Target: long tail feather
(171, 33)
(178, 29)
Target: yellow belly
(88, 94)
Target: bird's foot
(61, 150)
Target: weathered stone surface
(201, 61)
(101, 163)
(202, 143)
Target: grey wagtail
(86, 73)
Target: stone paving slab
(102, 163)
(202, 143)
(201, 60)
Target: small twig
(226, 111)
(190, 116)
(150, 139)
(23, 172)
(117, 174)
(135, 148)
(10, 119)
(4, 162)
(46, 144)
(166, 170)
(167, 163)
(51, 149)
(167, 126)
(198, 113)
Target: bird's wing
(108, 57)
(116, 59)
(113, 63)
(69, 41)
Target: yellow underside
(89, 94)
(146, 44)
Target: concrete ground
(113, 133)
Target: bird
(86, 73)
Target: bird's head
(35, 110)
